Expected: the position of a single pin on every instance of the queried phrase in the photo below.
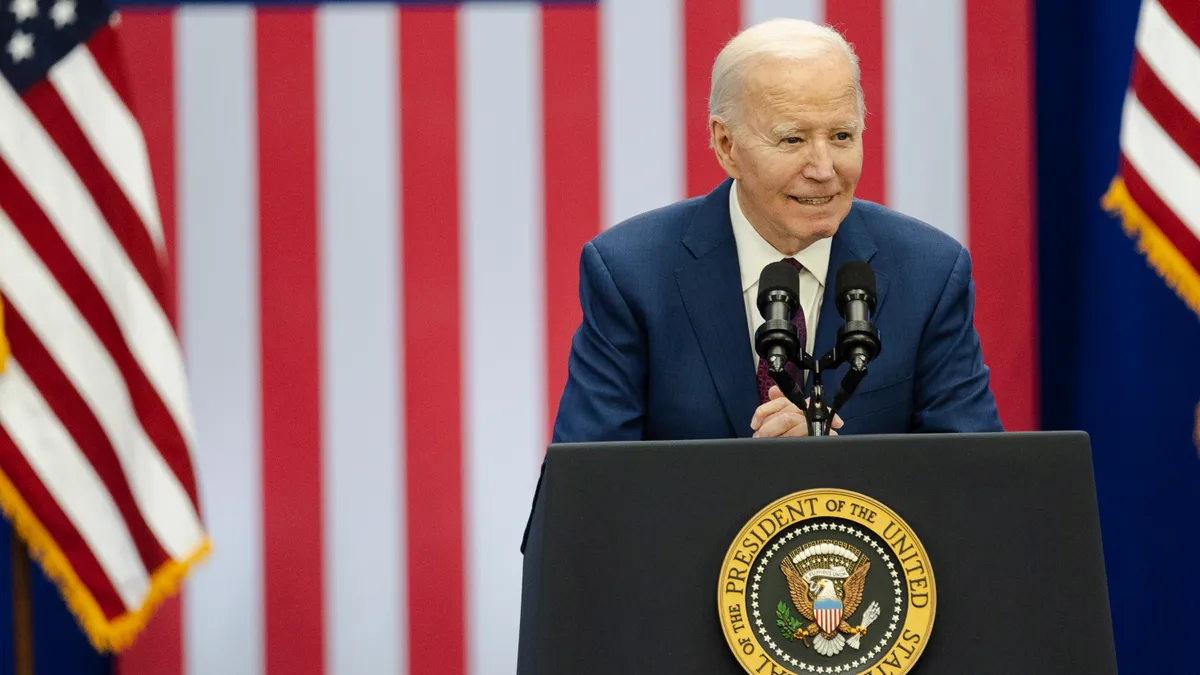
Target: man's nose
(820, 164)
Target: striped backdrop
(376, 213)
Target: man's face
(797, 154)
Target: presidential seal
(826, 581)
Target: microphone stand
(794, 391)
(818, 415)
(814, 408)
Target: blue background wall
(1118, 348)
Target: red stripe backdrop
(290, 315)
(432, 293)
(861, 22)
(152, 100)
(150, 62)
(1000, 201)
(707, 26)
(571, 167)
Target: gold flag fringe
(1161, 253)
(5, 351)
(106, 635)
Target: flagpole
(22, 607)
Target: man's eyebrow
(787, 129)
(791, 128)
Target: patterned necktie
(764, 379)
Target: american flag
(374, 214)
(96, 431)
(1157, 192)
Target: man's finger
(802, 430)
(767, 409)
(799, 430)
(783, 424)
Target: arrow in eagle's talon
(869, 617)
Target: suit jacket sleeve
(604, 398)
(952, 388)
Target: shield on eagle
(828, 613)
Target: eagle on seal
(820, 602)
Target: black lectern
(629, 543)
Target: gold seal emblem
(826, 581)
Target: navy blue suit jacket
(663, 351)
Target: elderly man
(665, 348)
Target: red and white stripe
(829, 619)
(1160, 129)
(95, 426)
(377, 212)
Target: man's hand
(780, 417)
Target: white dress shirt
(754, 253)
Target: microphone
(778, 299)
(858, 339)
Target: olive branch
(786, 622)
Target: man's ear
(721, 137)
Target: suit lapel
(852, 242)
(711, 289)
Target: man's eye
(792, 140)
(844, 136)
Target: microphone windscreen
(778, 276)
(855, 274)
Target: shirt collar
(755, 253)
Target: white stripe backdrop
(362, 402)
(218, 286)
(641, 75)
(503, 373)
(756, 11)
(926, 109)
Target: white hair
(786, 39)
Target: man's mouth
(813, 201)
